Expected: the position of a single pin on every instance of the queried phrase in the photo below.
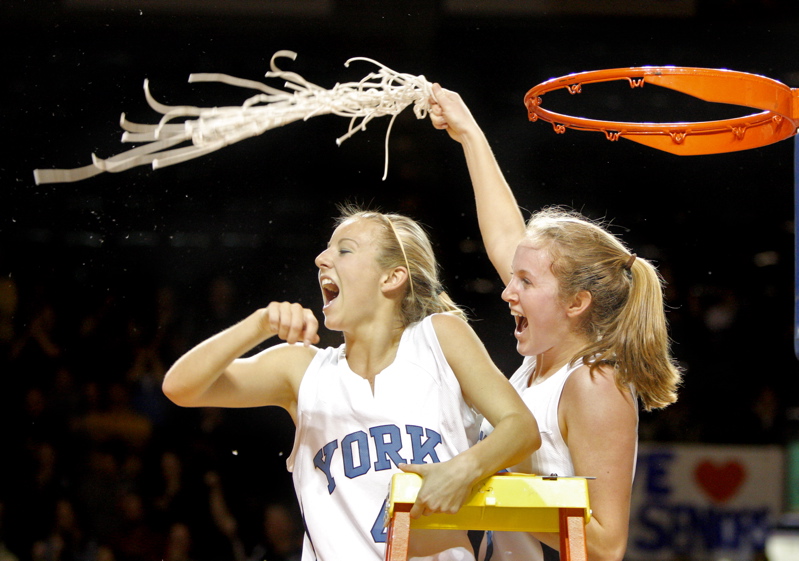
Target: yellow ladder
(507, 502)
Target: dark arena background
(105, 282)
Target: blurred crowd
(99, 466)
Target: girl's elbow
(529, 442)
(534, 434)
(529, 439)
(535, 441)
(175, 391)
(170, 391)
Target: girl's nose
(321, 260)
(509, 295)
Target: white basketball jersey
(552, 457)
(349, 440)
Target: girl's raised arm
(212, 374)
(501, 222)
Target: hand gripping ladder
(507, 502)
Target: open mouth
(521, 323)
(329, 290)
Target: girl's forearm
(200, 368)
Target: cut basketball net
(206, 129)
(778, 119)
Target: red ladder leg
(399, 532)
(572, 535)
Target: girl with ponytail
(590, 324)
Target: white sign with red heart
(704, 502)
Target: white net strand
(381, 93)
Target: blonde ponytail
(625, 324)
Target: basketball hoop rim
(777, 120)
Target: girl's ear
(394, 279)
(579, 304)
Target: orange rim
(777, 119)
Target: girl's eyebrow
(345, 240)
(526, 273)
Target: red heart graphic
(720, 482)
